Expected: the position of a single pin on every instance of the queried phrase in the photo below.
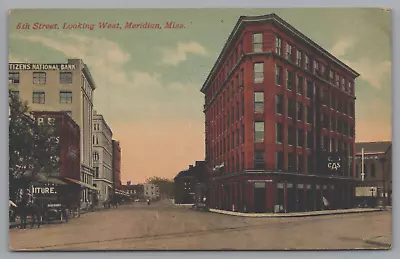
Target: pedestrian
(326, 203)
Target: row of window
(228, 94)
(228, 143)
(218, 125)
(230, 63)
(339, 103)
(299, 136)
(40, 77)
(302, 60)
(39, 97)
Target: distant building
(116, 152)
(135, 191)
(65, 87)
(185, 182)
(151, 191)
(377, 167)
(102, 156)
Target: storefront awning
(83, 184)
(120, 192)
(45, 179)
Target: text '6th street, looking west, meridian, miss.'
(99, 25)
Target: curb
(280, 215)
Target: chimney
(128, 182)
(190, 166)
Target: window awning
(91, 187)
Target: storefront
(281, 192)
(121, 195)
(93, 191)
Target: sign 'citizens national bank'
(32, 66)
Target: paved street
(167, 227)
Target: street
(164, 226)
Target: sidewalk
(83, 211)
(295, 214)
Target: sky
(149, 80)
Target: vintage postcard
(200, 129)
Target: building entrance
(259, 197)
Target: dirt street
(163, 226)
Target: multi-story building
(68, 134)
(135, 191)
(60, 87)
(151, 191)
(185, 182)
(102, 156)
(377, 167)
(116, 166)
(276, 105)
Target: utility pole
(362, 164)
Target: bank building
(65, 87)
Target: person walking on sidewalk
(326, 203)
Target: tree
(33, 147)
(166, 185)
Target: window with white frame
(257, 42)
(258, 72)
(289, 53)
(278, 46)
(39, 77)
(306, 62)
(65, 77)
(299, 58)
(38, 97)
(13, 77)
(258, 102)
(259, 131)
(65, 97)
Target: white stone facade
(102, 156)
(151, 191)
(60, 87)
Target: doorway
(318, 198)
(309, 198)
(280, 198)
(290, 198)
(300, 197)
(259, 197)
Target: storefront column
(271, 196)
(285, 197)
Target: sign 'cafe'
(29, 66)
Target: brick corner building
(68, 132)
(279, 111)
(116, 165)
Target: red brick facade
(117, 164)
(69, 142)
(266, 124)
